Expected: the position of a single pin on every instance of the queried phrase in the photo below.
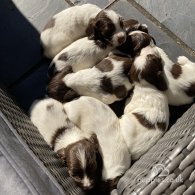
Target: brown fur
(105, 65)
(100, 28)
(152, 73)
(120, 91)
(176, 71)
(134, 43)
(63, 57)
(93, 159)
(58, 90)
(149, 125)
(191, 90)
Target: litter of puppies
(99, 58)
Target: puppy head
(106, 29)
(136, 40)
(83, 161)
(149, 71)
(132, 25)
(57, 89)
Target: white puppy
(66, 27)
(146, 116)
(89, 114)
(78, 149)
(180, 79)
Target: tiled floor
(23, 69)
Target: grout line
(178, 40)
(70, 2)
(110, 4)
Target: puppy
(104, 27)
(146, 115)
(106, 81)
(81, 54)
(66, 27)
(89, 114)
(180, 79)
(78, 149)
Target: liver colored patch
(176, 71)
(162, 126)
(105, 66)
(63, 57)
(191, 90)
(120, 91)
(49, 24)
(143, 121)
(106, 85)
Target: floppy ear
(161, 82)
(140, 41)
(94, 140)
(62, 154)
(90, 31)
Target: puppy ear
(62, 154)
(90, 31)
(140, 40)
(161, 82)
(94, 140)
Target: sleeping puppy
(89, 114)
(65, 27)
(106, 81)
(180, 79)
(102, 26)
(146, 115)
(78, 149)
(81, 54)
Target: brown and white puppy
(103, 26)
(106, 81)
(180, 79)
(146, 115)
(58, 90)
(65, 27)
(90, 114)
(106, 29)
(81, 54)
(78, 149)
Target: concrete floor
(23, 69)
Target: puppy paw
(182, 60)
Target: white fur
(88, 82)
(150, 103)
(176, 87)
(81, 156)
(70, 25)
(154, 106)
(49, 120)
(89, 114)
(82, 54)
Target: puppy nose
(121, 38)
